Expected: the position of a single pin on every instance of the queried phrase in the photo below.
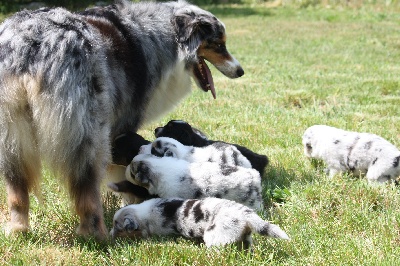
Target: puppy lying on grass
(170, 177)
(219, 152)
(216, 221)
(190, 136)
(359, 153)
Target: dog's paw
(13, 228)
(163, 148)
(92, 227)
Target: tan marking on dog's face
(215, 52)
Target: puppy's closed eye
(169, 153)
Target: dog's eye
(219, 47)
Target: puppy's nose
(240, 72)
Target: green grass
(302, 67)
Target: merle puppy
(190, 136)
(223, 155)
(360, 153)
(219, 152)
(216, 221)
(170, 177)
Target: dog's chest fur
(174, 86)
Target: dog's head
(182, 132)
(203, 37)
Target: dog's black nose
(239, 72)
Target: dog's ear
(130, 225)
(191, 29)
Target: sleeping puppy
(220, 152)
(170, 177)
(216, 221)
(360, 153)
(190, 136)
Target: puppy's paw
(141, 171)
(163, 148)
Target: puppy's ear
(130, 225)
(191, 29)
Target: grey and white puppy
(216, 221)
(359, 153)
(170, 177)
(220, 152)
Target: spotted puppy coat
(216, 221)
(359, 153)
(191, 136)
(219, 152)
(170, 177)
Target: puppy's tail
(267, 229)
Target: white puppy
(360, 153)
(170, 177)
(220, 152)
(217, 221)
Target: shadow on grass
(277, 181)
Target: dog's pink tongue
(210, 81)
(209, 78)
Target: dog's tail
(265, 228)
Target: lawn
(302, 67)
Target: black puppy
(126, 146)
(190, 136)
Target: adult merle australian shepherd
(71, 82)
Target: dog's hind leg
(19, 163)
(84, 169)
(85, 191)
